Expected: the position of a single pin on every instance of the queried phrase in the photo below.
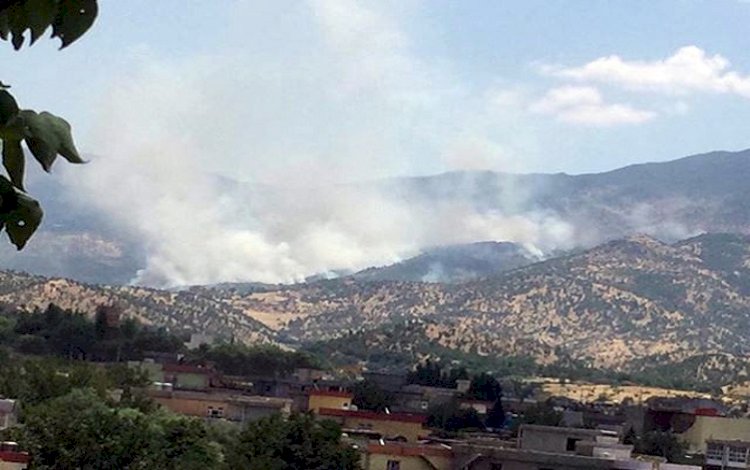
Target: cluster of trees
(70, 418)
(656, 442)
(298, 442)
(431, 374)
(241, 359)
(369, 396)
(72, 335)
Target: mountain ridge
(634, 304)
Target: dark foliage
(72, 335)
(369, 396)
(239, 359)
(450, 416)
(432, 374)
(295, 443)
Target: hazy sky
(346, 89)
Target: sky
(165, 94)
(410, 87)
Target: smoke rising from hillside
(347, 102)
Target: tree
(541, 413)
(496, 415)
(432, 375)
(80, 430)
(485, 387)
(275, 443)
(369, 396)
(661, 443)
(45, 135)
(450, 416)
(240, 359)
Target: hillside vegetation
(635, 305)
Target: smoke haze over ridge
(353, 104)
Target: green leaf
(40, 14)
(19, 214)
(48, 135)
(8, 107)
(23, 222)
(73, 19)
(14, 162)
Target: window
(715, 451)
(215, 412)
(737, 454)
(570, 445)
(393, 465)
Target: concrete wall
(552, 439)
(714, 427)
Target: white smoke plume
(298, 121)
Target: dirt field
(586, 393)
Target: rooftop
(399, 417)
(410, 450)
(256, 400)
(14, 457)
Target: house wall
(190, 380)
(411, 431)
(714, 427)
(316, 402)
(411, 462)
(192, 407)
(409, 457)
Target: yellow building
(404, 456)
(338, 400)
(714, 428)
(405, 426)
